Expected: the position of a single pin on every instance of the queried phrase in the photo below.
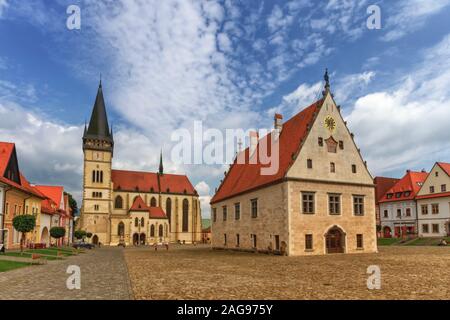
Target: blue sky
(231, 64)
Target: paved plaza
(197, 272)
(103, 276)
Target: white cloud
(352, 85)
(407, 126)
(3, 6)
(411, 15)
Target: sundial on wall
(330, 124)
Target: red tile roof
(434, 195)
(6, 150)
(445, 166)
(246, 177)
(411, 182)
(154, 212)
(151, 182)
(382, 185)
(55, 193)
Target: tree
(79, 234)
(24, 224)
(57, 232)
(72, 204)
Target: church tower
(98, 147)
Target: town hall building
(132, 207)
(321, 200)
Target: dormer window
(389, 195)
(407, 193)
(398, 194)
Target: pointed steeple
(161, 167)
(98, 128)
(327, 82)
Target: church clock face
(330, 123)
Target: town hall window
(320, 142)
(237, 211)
(359, 241)
(224, 213)
(341, 145)
(254, 208)
(334, 204)
(358, 205)
(309, 164)
(332, 167)
(353, 168)
(118, 203)
(214, 214)
(308, 242)
(308, 202)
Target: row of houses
(418, 204)
(49, 204)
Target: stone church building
(131, 207)
(321, 200)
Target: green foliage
(79, 234)
(24, 223)
(57, 232)
(378, 228)
(72, 204)
(89, 235)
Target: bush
(89, 235)
(57, 232)
(79, 234)
(24, 223)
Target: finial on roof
(161, 167)
(326, 77)
(100, 85)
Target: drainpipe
(3, 217)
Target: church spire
(161, 167)
(98, 128)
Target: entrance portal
(335, 240)
(95, 240)
(135, 239)
(142, 239)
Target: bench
(37, 259)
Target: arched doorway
(135, 239)
(44, 236)
(335, 240)
(387, 233)
(95, 239)
(142, 239)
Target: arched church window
(101, 176)
(121, 229)
(152, 230)
(118, 203)
(185, 224)
(93, 176)
(142, 222)
(136, 222)
(153, 202)
(161, 230)
(169, 208)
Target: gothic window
(118, 203)
(153, 202)
(161, 230)
(136, 222)
(101, 176)
(93, 176)
(185, 224)
(142, 222)
(169, 208)
(331, 145)
(152, 231)
(121, 229)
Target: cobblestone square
(187, 272)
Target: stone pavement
(104, 275)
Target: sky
(230, 64)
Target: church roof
(154, 212)
(406, 188)
(246, 177)
(98, 125)
(133, 181)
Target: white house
(433, 202)
(398, 209)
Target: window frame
(311, 202)
(252, 208)
(309, 242)
(338, 203)
(237, 213)
(361, 206)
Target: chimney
(278, 124)
(253, 144)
